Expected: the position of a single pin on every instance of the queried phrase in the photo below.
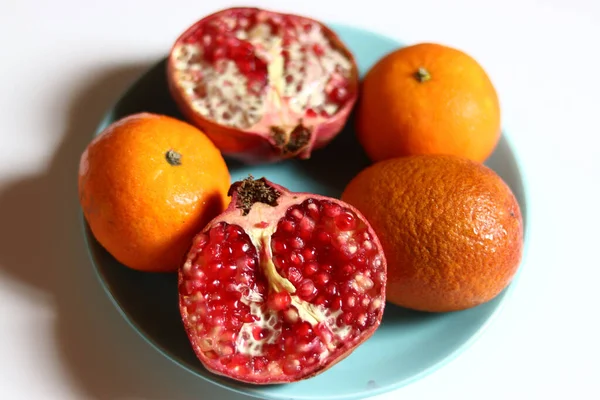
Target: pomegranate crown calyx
(249, 191)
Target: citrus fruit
(428, 99)
(451, 229)
(147, 184)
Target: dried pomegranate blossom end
(283, 286)
(264, 72)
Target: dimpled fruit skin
(455, 112)
(141, 209)
(451, 229)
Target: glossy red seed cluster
(220, 39)
(225, 268)
(323, 249)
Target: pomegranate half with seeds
(282, 285)
(264, 86)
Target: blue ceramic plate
(406, 347)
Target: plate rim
(255, 392)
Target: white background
(65, 61)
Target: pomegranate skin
(252, 146)
(235, 216)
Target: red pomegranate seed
(198, 274)
(258, 333)
(338, 95)
(346, 318)
(364, 282)
(345, 221)
(226, 359)
(296, 243)
(323, 332)
(375, 305)
(323, 238)
(227, 272)
(327, 268)
(331, 289)
(280, 262)
(287, 226)
(331, 210)
(347, 270)
(310, 113)
(348, 302)
(294, 275)
(214, 297)
(321, 300)
(360, 261)
(336, 303)
(279, 301)
(234, 232)
(304, 329)
(312, 210)
(214, 268)
(250, 318)
(318, 49)
(259, 363)
(239, 248)
(278, 246)
(232, 304)
(340, 242)
(306, 289)
(361, 320)
(296, 259)
(376, 262)
(322, 278)
(311, 268)
(289, 344)
(291, 366)
(306, 228)
(296, 213)
(246, 263)
(309, 253)
(239, 360)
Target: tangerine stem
(422, 75)
(173, 157)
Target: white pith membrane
(250, 340)
(287, 78)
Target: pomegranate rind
(257, 147)
(214, 366)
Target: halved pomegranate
(282, 285)
(264, 86)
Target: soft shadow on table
(45, 252)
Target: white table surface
(65, 61)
